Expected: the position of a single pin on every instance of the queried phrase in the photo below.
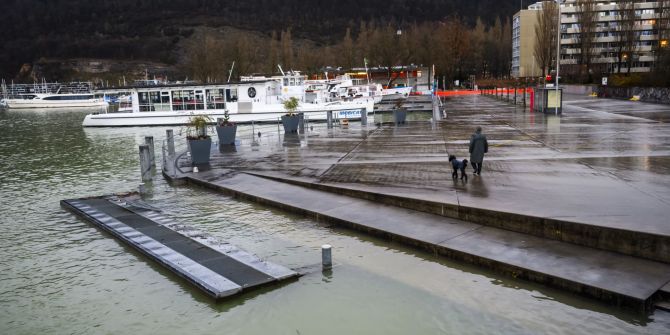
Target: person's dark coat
(478, 147)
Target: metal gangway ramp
(217, 268)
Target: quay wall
(647, 94)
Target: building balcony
(648, 37)
(568, 61)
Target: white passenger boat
(343, 88)
(257, 99)
(54, 100)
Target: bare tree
(586, 18)
(205, 58)
(273, 58)
(626, 36)
(347, 56)
(545, 35)
(662, 49)
(286, 49)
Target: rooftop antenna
(280, 70)
(230, 73)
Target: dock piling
(169, 134)
(329, 119)
(326, 257)
(364, 117)
(149, 141)
(145, 162)
(301, 123)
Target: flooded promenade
(561, 183)
(61, 275)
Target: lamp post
(558, 48)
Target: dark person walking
(478, 147)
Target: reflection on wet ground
(593, 164)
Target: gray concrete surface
(596, 176)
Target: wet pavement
(596, 176)
(603, 162)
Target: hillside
(153, 29)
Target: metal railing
(175, 145)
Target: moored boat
(54, 100)
(256, 99)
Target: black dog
(458, 165)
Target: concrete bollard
(326, 257)
(169, 134)
(515, 90)
(149, 140)
(145, 162)
(329, 119)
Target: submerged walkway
(578, 201)
(220, 270)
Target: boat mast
(230, 73)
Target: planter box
(226, 134)
(399, 116)
(290, 123)
(200, 151)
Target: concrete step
(635, 243)
(612, 277)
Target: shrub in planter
(226, 130)
(291, 120)
(199, 143)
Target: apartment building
(609, 35)
(523, 42)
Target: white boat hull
(264, 113)
(35, 103)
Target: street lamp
(558, 48)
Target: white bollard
(195, 169)
(326, 257)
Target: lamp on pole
(558, 48)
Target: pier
(578, 202)
(218, 269)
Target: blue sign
(349, 114)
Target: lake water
(60, 275)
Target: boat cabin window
(285, 81)
(215, 99)
(231, 94)
(187, 100)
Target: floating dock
(219, 269)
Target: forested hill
(149, 29)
